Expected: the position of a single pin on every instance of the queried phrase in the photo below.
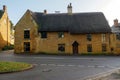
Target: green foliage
(8, 47)
(12, 66)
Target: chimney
(69, 8)
(4, 8)
(45, 11)
(116, 24)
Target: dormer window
(103, 37)
(60, 34)
(89, 37)
(43, 34)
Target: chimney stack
(116, 23)
(69, 8)
(45, 11)
(4, 8)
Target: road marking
(80, 66)
(51, 64)
(60, 65)
(91, 66)
(43, 64)
(71, 65)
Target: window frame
(104, 47)
(61, 47)
(104, 37)
(89, 37)
(60, 34)
(26, 34)
(89, 47)
(43, 34)
(117, 36)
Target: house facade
(62, 33)
(4, 28)
(115, 37)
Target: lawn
(6, 67)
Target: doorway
(26, 46)
(75, 47)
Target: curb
(101, 75)
(31, 67)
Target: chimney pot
(69, 8)
(4, 8)
(45, 11)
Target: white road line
(91, 66)
(71, 65)
(43, 64)
(51, 64)
(60, 65)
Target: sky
(17, 8)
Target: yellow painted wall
(4, 30)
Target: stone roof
(94, 22)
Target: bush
(10, 47)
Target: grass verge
(7, 67)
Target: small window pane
(26, 34)
(103, 37)
(89, 37)
(43, 34)
(89, 48)
(104, 49)
(60, 34)
(118, 36)
(61, 47)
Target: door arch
(75, 47)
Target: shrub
(10, 47)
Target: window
(104, 48)
(26, 46)
(43, 34)
(118, 36)
(89, 48)
(61, 47)
(60, 34)
(89, 37)
(26, 34)
(103, 37)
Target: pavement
(54, 67)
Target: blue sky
(16, 8)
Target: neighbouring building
(62, 33)
(4, 28)
(115, 37)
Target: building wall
(115, 44)
(26, 23)
(4, 30)
(50, 44)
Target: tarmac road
(54, 67)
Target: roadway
(53, 67)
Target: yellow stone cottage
(4, 28)
(115, 37)
(62, 33)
